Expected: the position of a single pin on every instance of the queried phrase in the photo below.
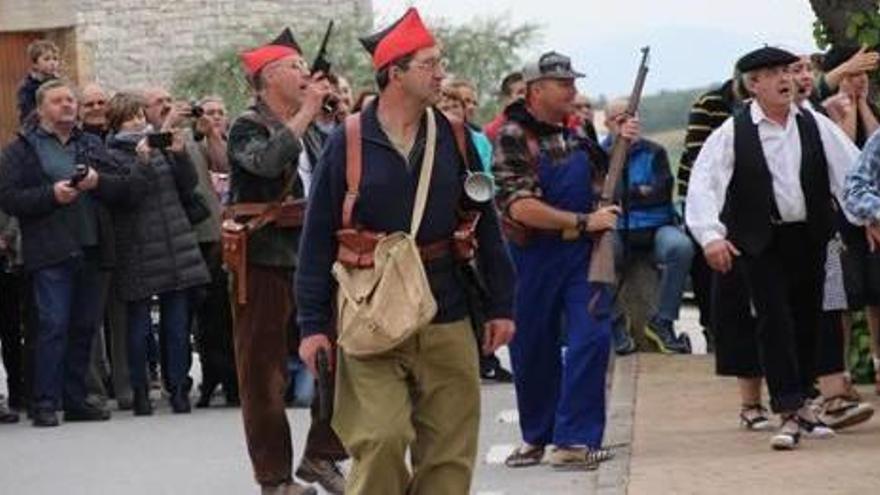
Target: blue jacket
(385, 203)
(647, 186)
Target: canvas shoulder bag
(381, 306)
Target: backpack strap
(353, 167)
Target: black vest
(750, 207)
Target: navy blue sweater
(387, 194)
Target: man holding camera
(265, 144)
(56, 179)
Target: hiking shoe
(623, 341)
(843, 412)
(753, 417)
(323, 472)
(662, 334)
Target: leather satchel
(382, 305)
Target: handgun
(325, 389)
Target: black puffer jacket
(156, 246)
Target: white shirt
(713, 170)
(304, 169)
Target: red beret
(405, 36)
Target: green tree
(482, 51)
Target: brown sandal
(525, 456)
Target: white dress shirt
(713, 170)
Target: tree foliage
(846, 22)
(482, 51)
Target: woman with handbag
(158, 254)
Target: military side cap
(761, 58)
(407, 35)
(551, 65)
(282, 46)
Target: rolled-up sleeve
(515, 175)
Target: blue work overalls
(561, 397)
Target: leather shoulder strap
(353, 167)
(459, 129)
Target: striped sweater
(707, 114)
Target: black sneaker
(44, 418)
(6, 415)
(86, 413)
(661, 333)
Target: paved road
(204, 453)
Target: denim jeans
(174, 329)
(68, 300)
(673, 251)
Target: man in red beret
(423, 395)
(265, 144)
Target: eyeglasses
(432, 64)
(94, 104)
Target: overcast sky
(693, 42)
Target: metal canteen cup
(479, 187)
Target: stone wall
(135, 43)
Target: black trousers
(213, 335)
(785, 282)
(702, 282)
(735, 327)
(12, 310)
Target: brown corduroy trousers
(261, 353)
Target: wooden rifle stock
(602, 257)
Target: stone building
(133, 43)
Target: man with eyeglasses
(545, 171)
(93, 110)
(265, 143)
(423, 395)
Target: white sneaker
(811, 426)
(788, 436)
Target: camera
(78, 175)
(159, 140)
(195, 110)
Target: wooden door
(14, 65)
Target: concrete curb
(613, 475)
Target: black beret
(837, 55)
(764, 57)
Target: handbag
(381, 306)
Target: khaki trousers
(423, 395)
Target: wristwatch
(582, 222)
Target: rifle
(321, 64)
(602, 260)
(325, 390)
